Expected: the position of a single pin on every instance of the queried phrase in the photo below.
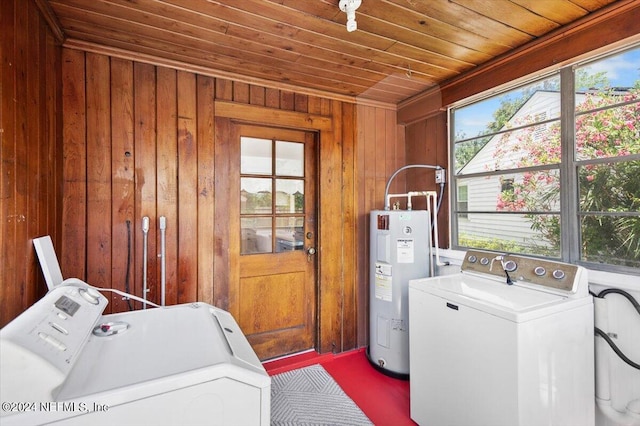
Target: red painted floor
(383, 399)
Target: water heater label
(383, 287)
(405, 250)
(383, 269)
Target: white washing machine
(63, 362)
(487, 352)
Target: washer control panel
(57, 326)
(547, 273)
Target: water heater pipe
(408, 196)
(431, 197)
(436, 207)
(433, 209)
(387, 206)
(390, 196)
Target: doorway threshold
(294, 361)
(302, 359)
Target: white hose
(163, 265)
(79, 283)
(145, 238)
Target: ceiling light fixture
(349, 7)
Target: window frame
(570, 212)
(274, 178)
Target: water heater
(400, 247)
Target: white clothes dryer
(507, 341)
(63, 362)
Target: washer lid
(159, 343)
(511, 302)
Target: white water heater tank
(400, 242)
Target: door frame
(286, 333)
(330, 278)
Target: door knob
(310, 252)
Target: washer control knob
(539, 271)
(510, 266)
(484, 261)
(110, 328)
(558, 274)
(473, 259)
(90, 295)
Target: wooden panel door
(275, 295)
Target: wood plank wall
(147, 150)
(427, 144)
(134, 139)
(139, 141)
(130, 131)
(380, 152)
(30, 171)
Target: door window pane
(289, 196)
(255, 196)
(289, 233)
(272, 197)
(289, 158)
(255, 235)
(255, 156)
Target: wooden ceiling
(401, 47)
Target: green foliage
(465, 151)
(505, 246)
(586, 81)
(604, 189)
(508, 108)
(489, 244)
(257, 201)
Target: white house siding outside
(510, 229)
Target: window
(271, 195)
(607, 152)
(463, 201)
(552, 167)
